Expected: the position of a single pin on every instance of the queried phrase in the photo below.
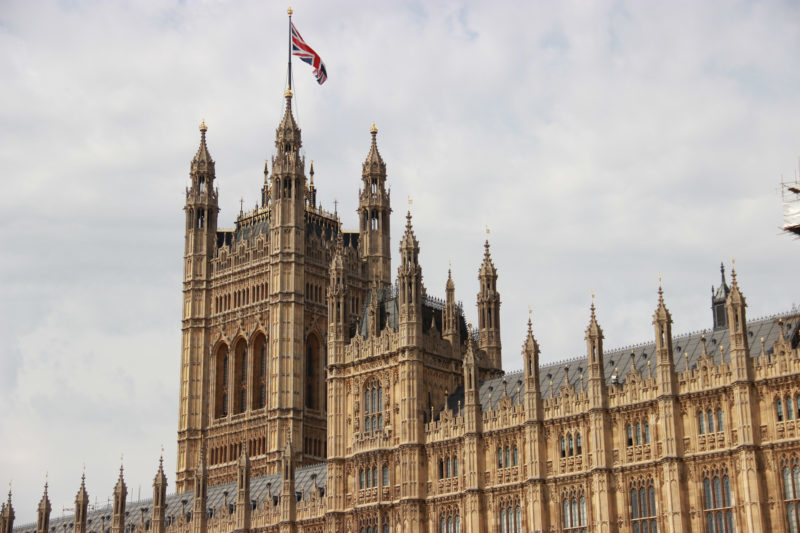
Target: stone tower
(489, 312)
(199, 247)
(373, 215)
(287, 267)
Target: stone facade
(317, 393)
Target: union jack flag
(307, 54)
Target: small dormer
(718, 298)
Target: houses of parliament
(324, 390)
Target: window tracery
(717, 498)
(373, 406)
(790, 474)
(450, 520)
(510, 518)
(573, 511)
(643, 506)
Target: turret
(739, 350)
(200, 494)
(450, 326)
(471, 385)
(288, 182)
(200, 244)
(665, 367)
(409, 286)
(120, 493)
(288, 498)
(7, 516)
(81, 507)
(243, 491)
(160, 497)
(530, 356)
(598, 396)
(43, 513)
(337, 304)
(373, 214)
(489, 311)
(287, 234)
(719, 297)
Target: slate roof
(304, 484)
(569, 371)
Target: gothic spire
(202, 159)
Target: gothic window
(629, 431)
(647, 433)
(573, 512)
(717, 506)
(374, 476)
(643, 506)
(510, 516)
(779, 409)
(385, 475)
(240, 378)
(789, 410)
(361, 479)
(791, 494)
(261, 349)
(450, 521)
(570, 446)
(313, 374)
(373, 411)
(221, 382)
(500, 457)
(708, 422)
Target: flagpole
(289, 11)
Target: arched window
(643, 506)
(515, 453)
(578, 446)
(450, 521)
(717, 506)
(629, 431)
(701, 423)
(373, 399)
(221, 382)
(720, 425)
(779, 409)
(510, 516)
(563, 447)
(791, 494)
(385, 475)
(313, 373)
(573, 513)
(710, 421)
(647, 433)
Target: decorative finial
(373, 129)
(241, 205)
(203, 127)
(335, 205)
(288, 94)
(289, 11)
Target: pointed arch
(221, 372)
(314, 372)
(239, 388)
(259, 371)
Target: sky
(602, 143)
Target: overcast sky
(601, 142)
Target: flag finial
(289, 11)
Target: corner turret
(374, 209)
(489, 311)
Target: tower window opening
(202, 185)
